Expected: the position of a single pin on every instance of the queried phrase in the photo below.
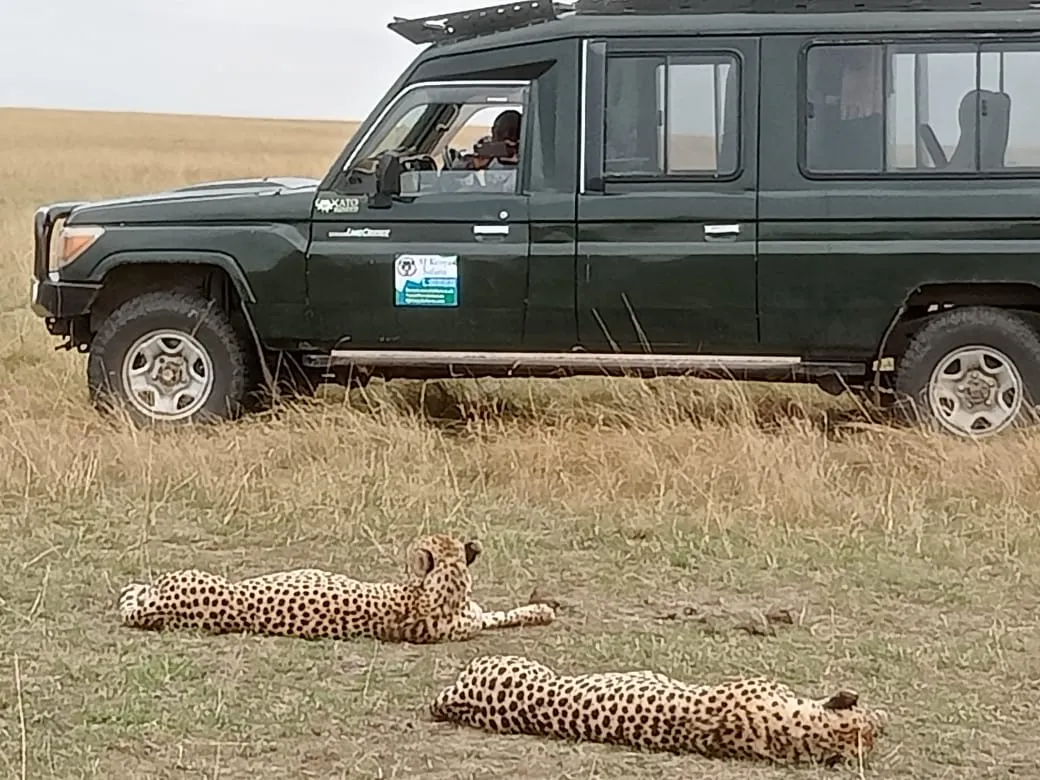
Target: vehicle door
(668, 206)
(443, 265)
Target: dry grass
(910, 562)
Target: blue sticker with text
(426, 280)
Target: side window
(672, 116)
(845, 108)
(1012, 73)
(455, 138)
(950, 108)
(931, 116)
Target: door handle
(721, 231)
(491, 230)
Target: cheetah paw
(541, 614)
(539, 598)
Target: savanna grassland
(667, 518)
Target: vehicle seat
(931, 142)
(992, 120)
(996, 117)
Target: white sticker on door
(426, 280)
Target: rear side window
(672, 116)
(950, 108)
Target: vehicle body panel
(257, 234)
(248, 200)
(549, 179)
(352, 279)
(652, 274)
(839, 254)
(514, 289)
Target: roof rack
(477, 22)
(459, 25)
(641, 7)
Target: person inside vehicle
(498, 150)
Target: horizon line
(181, 114)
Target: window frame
(526, 86)
(979, 43)
(1009, 45)
(672, 57)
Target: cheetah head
(441, 562)
(861, 728)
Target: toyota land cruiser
(844, 192)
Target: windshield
(399, 132)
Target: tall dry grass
(913, 558)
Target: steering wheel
(419, 163)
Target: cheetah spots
(749, 719)
(315, 604)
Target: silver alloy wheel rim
(975, 391)
(167, 375)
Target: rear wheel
(972, 372)
(168, 357)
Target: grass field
(911, 563)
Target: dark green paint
(270, 200)
(819, 269)
(257, 233)
(352, 279)
(664, 279)
(648, 273)
(836, 258)
(225, 262)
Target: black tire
(998, 330)
(185, 313)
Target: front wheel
(972, 372)
(168, 357)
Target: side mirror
(388, 181)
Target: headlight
(73, 241)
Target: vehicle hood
(237, 200)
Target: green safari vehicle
(841, 192)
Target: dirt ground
(669, 518)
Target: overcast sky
(312, 59)
(287, 58)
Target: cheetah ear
(422, 562)
(473, 549)
(842, 700)
(427, 561)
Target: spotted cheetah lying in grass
(433, 606)
(751, 718)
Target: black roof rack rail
(639, 7)
(460, 25)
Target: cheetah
(432, 606)
(752, 718)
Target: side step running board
(451, 363)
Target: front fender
(177, 257)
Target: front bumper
(52, 298)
